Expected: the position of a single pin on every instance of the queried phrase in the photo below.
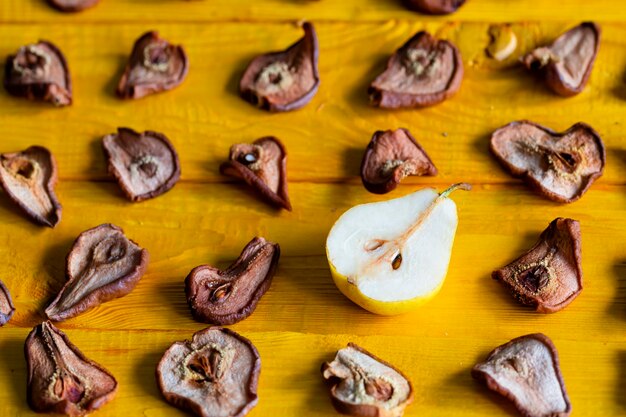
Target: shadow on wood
(620, 390)
(13, 367)
(618, 306)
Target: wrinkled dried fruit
(363, 385)
(28, 178)
(214, 374)
(423, 72)
(226, 297)
(286, 80)
(60, 378)
(263, 165)
(549, 276)
(561, 166)
(102, 265)
(145, 164)
(526, 371)
(39, 72)
(72, 5)
(6, 305)
(434, 6)
(567, 63)
(154, 65)
(390, 156)
(503, 42)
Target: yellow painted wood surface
(206, 218)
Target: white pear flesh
(366, 240)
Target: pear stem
(393, 251)
(458, 186)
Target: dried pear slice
(363, 385)
(423, 72)
(286, 80)
(39, 72)
(391, 156)
(549, 276)
(72, 5)
(566, 64)
(229, 296)
(263, 165)
(102, 265)
(560, 166)
(60, 378)
(526, 371)
(28, 178)
(6, 305)
(155, 65)
(214, 374)
(145, 164)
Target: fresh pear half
(392, 256)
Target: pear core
(395, 251)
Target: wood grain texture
(206, 218)
(271, 10)
(327, 138)
(303, 317)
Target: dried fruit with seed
(549, 276)
(526, 371)
(391, 156)
(6, 305)
(285, 80)
(423, 72)
(434, 6)
(561, 166)
(60, 378)
(566, 64)
(145, 164)
(503, 41)
(154, 65)
(229, 296)
(72, 5)
(363, 385)
(39, 72)
(263, 165)
(214, 374)
(28, 178)
(102, 265)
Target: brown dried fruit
(567, 63)
(549, 276)
(561, 166)
(39, 72)
(28, 178)
(390, 156)
(227, 297)
(214, 374)
(285, 80)
(6, 305)
(526, 371)
(145, 164)
(60, 378)
(363, 385)
(155, 65)
(423, 72)
(263, 165)
(72, 5)
(434, 6)
(102, 265)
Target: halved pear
(392, 256)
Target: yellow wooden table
(207, 218)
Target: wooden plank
(291, 385)
(353, 10)
(198, 223)
(326, 139)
